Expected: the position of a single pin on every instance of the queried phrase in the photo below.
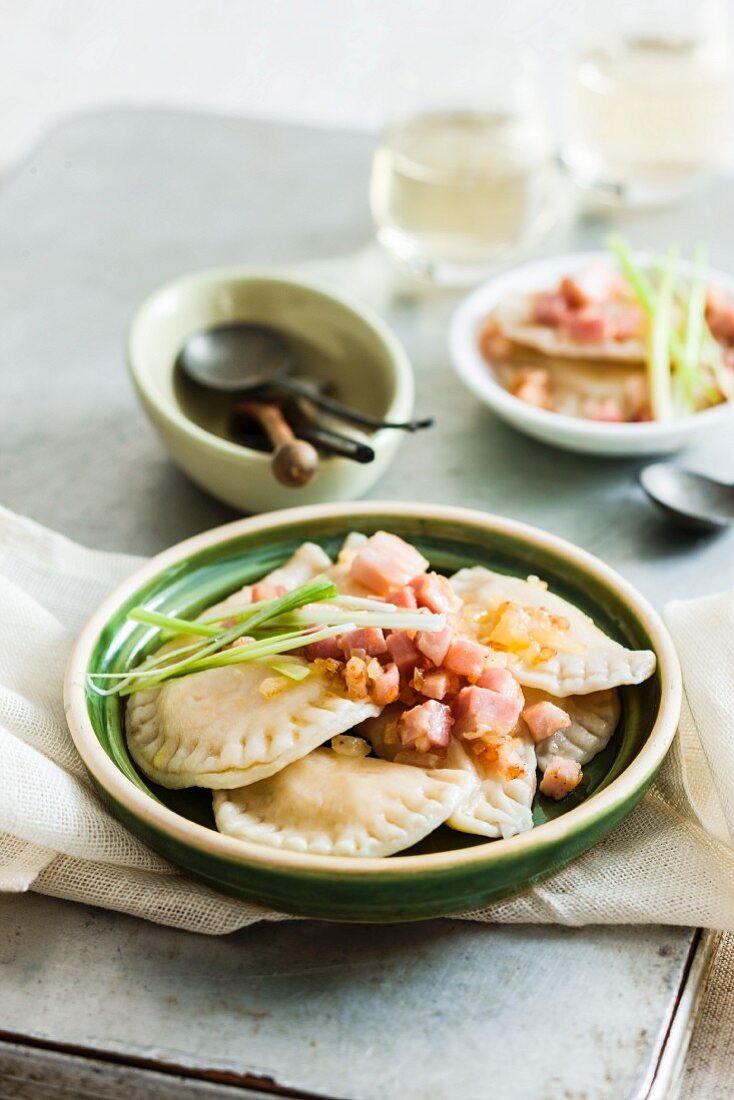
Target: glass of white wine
(650, 100)
(465, 173)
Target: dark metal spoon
(689, 499)
(245, 358)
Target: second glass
(465, 172)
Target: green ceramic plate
(448, 872)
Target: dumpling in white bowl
(218, 729)
(594, 718)
(330, 804)
(551, 644)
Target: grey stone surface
(445, 1010)
(109, 206)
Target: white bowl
(568, 432)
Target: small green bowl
(449, 872)
(333, 338)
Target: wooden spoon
(295, 462)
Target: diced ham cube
(479, 710)
(596, 283)
(550, 309)
(589, 326)
(264, 590)
(369, 640)
(434, 644)
(386, 561)
(720, 316)
(384, 683)
(543, 719)
(561, 777)
(402, 597)
(434, 592)
(426, 727)
(466, 658)
(325, 650)
(403, 651)
(499, 679)
(436, 683)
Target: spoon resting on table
(689, 499)
(245, 358)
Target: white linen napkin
(670, 862)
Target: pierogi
(580, 657)
(464, 690)
(328, 804)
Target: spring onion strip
(170, 624)
(317, 589)
(291, 667)
(360, 603)
(141, 678)
(695, 320)
(646, 296)
(363, 603)
(405, 620)
(243, 654)
(150, 663)
(658, 360)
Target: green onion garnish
(658, 360)
(171, 625)
(321, 588)
(273, 628)
(291, 667)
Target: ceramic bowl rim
(478, 376)
(164, 820)
(402, 382)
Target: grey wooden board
(30, 1072)
(108, 207)
(448, 1010)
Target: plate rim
(158, 817)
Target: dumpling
(308, 561)
(329, 804)
(339, 571)
(594, 718)
(515, 316)
(591, 660)
(217, 729)
(492, 806)
(382, 734)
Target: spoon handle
(336, 443)
(294, 462)
(328, 404)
